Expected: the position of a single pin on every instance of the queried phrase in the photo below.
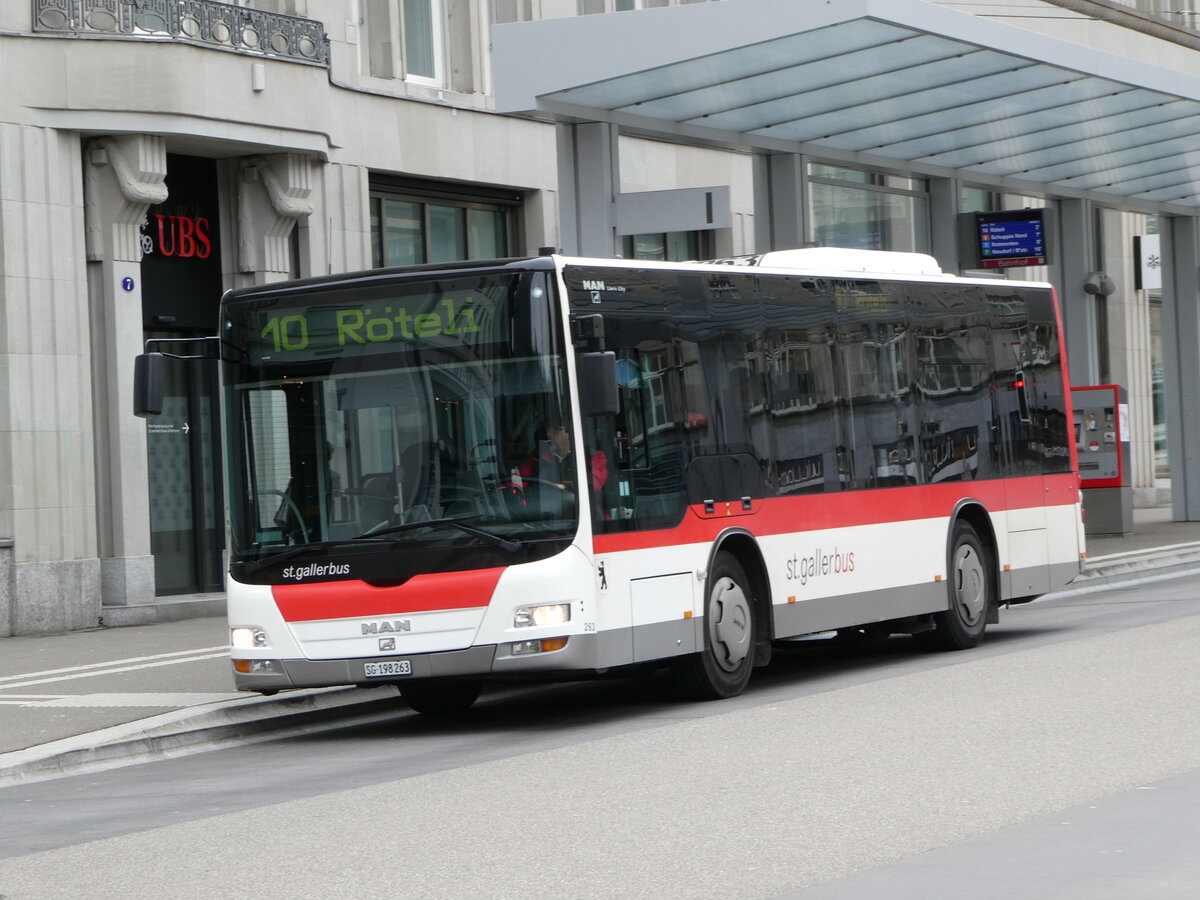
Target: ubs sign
(187, 237)
(181, 259)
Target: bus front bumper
(582, 652)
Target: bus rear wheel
(970, 594)
(441, 696)
(722, 669)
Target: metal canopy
(896, 83)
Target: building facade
(154, 153)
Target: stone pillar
(589, 181)
(1076, 260)
(273, 194)
(1181, 361)
(123, 177)
(339, 239)
(780, 205)
(1128, 314)
(943, 223)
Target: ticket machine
(1102, 441)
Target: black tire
(722, 669)
(970, 594)
(440, 696)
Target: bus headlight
(552, 614)
(248, 638)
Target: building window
(866, 210)
(672, 246)
(1181, 13)
(1158, 394)
(422, 39)
(511, 11)
(415, 229)
(428, 42)
(978, 199)
(591, 7)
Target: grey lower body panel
(847, 610)
(1035, 581)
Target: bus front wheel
(970, 587)
(722, 669)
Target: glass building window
(422, 42)
(978, 199)
(1181, 13)
(409, 231)
(866, 210)
(592, 7)
(672, 246)
(1162, 464)
(511, 11)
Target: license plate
(387, 669)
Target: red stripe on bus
(810, 512)
(421, 593)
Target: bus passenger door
(1026, 570)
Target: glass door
(186, 525)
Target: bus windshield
(398, 422)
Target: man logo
(387, 643)
(387, 627)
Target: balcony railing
(204, 22)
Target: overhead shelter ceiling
(899, 83)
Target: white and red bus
(797, 443)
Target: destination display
(1013, 238)
(446, 315)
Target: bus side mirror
(599, 393)
(148, 381)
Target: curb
(1116, 568)
(205, 727)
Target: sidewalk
(107, 696)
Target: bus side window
(643, 443)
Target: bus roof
(831, 262)
(840, 259)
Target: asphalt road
(862, 772)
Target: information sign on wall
(1011, 238)
(181, 260)
(1147, 249)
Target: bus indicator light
(531, 648)
(256, 667)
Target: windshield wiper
(502, 542)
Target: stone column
(1128, 313)
(1076, 260)
(49, 570)
(123, 177)
(780, 204)
(339, 239)
(943, 222)
(273, 194)
(1181, 359)
(589, 181)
